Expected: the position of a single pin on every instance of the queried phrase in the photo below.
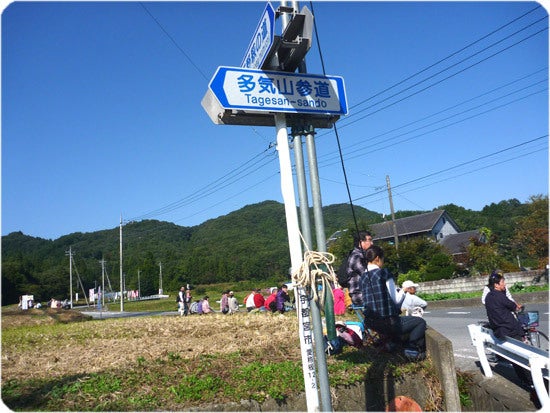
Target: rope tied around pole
(312, 271)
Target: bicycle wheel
(534, 338)
(545, 342)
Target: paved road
(452, 322)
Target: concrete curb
(440, 350)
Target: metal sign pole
(304, 325)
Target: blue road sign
(269, 91)
(261, 41)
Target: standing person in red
(259, 300)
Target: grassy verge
(516, 288)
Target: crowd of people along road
(277, 302)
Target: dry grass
(95, 346)
(62, 360)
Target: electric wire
(383, 196)
(228, 179)
(334, 127)
(435, 83)
(458, 165)
(173, 41)
(446, 58)
(363, 141)
(361, 152)
(199, 194)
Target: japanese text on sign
(261, 41)
(269, 91)
(307, 338)
(260, 90)
(258, 46)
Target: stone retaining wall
(466, 284)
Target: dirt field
(93, 346)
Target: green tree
(439, 267)
(531, 232)
(483, 257)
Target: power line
(435, 83)
(358, 152)
(457, 166)
(459, 104)
(232, 177)
(174, 42)
(209, 189)
(445, 58)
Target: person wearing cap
(412, 304)
(233, 303)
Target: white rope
(310, 273)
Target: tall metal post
(139, 285)
(295, 247)
(287, 186)
(302, 188)
(160, 278)
(102, 283)
(324, 384)
(121, 280)
(395, 235)
(71, 276)
(287, 189)
(315, 191)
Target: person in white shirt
(233, 303)
(412, 304)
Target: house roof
(457, 243)
(416, 224)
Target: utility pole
(160, 278)
(102, 283)
(139, 285)
(70, 254)
(121, 281)
(395, 235)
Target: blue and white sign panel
(258, 90)
(261, 41)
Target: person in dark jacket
(502, 319)
(500, 310)
(357, 265)
(282, 297)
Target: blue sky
(102, 115)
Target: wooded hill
(248, 244)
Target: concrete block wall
(466, 284)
